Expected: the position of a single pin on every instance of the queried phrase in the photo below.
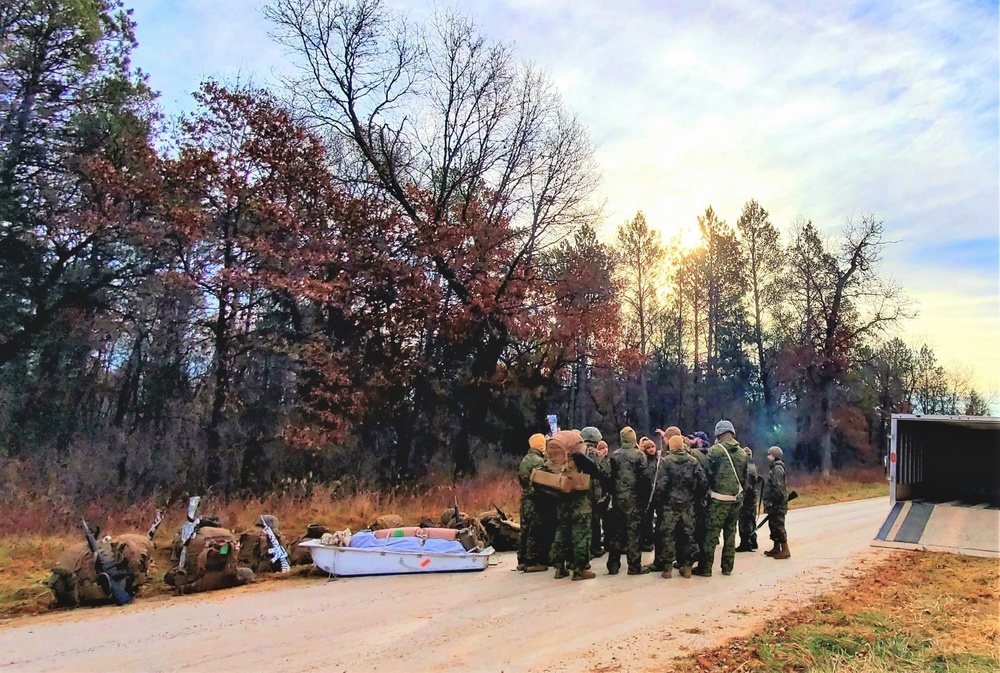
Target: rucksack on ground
(212, 563)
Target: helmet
(676, 443)
(776, 452)
(591, 435)
(627, 435)
(722, 427)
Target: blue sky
(819, 109)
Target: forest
(391, 263)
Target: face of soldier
(770, 457)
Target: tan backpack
(255, 550)
(74, 578)
(212, 563)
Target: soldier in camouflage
(679, 484)
(598, 498)
(648, 525)
(571, 546)
(748, 510)
(775, 498)
(629, 476)
(537, 512)
(727, 476)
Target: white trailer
(944, 485)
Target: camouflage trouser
(700, 521)
(748, 519)
(722, 518)
(675, 537)
(597, 517)
(572, 542)
(776, 523)
(623, 537)
(536, 530)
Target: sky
(820, 110)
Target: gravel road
(496, 620)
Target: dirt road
(497, 620)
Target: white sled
(350, 561)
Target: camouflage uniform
(628, 472)
(646, 530)
(775, 498)
(571, 546)
(700, 503)
(537, 512)
(598, 498)
(748, 510)
(680, 484)
(723, 514)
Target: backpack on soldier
(74, 576)
(212, 563)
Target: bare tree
(842, 301)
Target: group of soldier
(674, 501)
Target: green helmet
(591, 435)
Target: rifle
(656, 475)
(791, 496)
(109, 576)
(458, 517)
(503, 515)
(278, 553)
(157, 520)
(188, 528)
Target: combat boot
(583, 575)
(686, 572)
(521, 567)
(702, 571)
(613, 570)
(638, 570)
(773, 550)
(744, 546)
(561, 572)
(536, 569)
(783, 553)
(667, 574)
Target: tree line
(386, 265)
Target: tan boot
(584, 575)
(783, 553)
(561, 572)
(686, 572)
(773, 550)
(536, 569)
(667, 574)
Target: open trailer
(944, 485)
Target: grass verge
(916, 611)
(32, 533)
(853, 484)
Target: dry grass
(852, 484)
(33, 531)
(913, 612)
(32, 537)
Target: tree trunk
(643, 401)
(826, 430)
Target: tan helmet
(776, 452)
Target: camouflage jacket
(753, 479)
(604, 465)
(681, 481)
(533, 460)
(702, 458)
(720, 473)
(775, 491)
(630, 475)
